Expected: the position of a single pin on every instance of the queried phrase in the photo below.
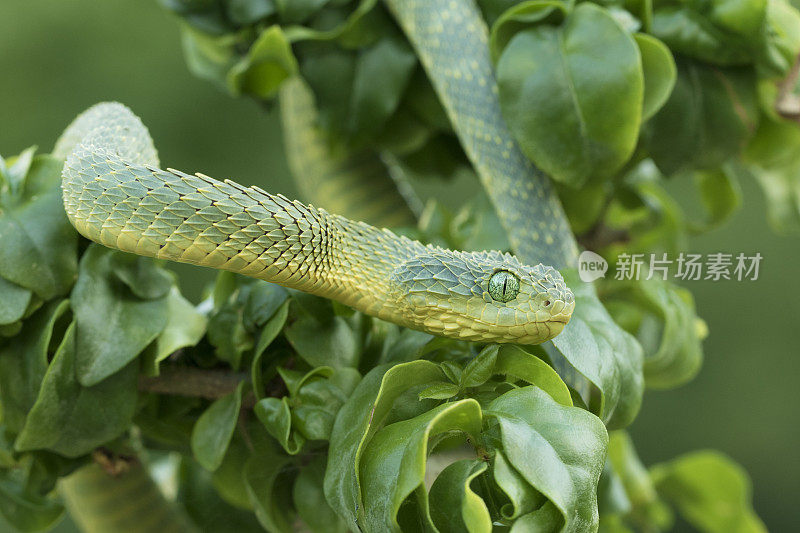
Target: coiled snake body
(115, 194)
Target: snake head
(482, 296)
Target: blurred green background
(58, 58)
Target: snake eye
(503, 286)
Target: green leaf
(277, 419)
(113, 325)
(298, 10)
(333, 344)
(558, 450)
(440, 390)
(773, 157)
(519, 17)
(646, 508)
(214, 428)
(23, 364)
(208, 56)
(515, 362)
(523, 498)
(309, 500)
(455, 508)
(382, 73)
(480, 369)
(27, 512)
(572, 95)
(267, 64)
(249, 11)
(660, 73)
(364, 412)
(782, 40)
(720, 194)
(710, 491)
(185, 327)
(14, 301)
(394, 461)
(721, 32)
(270, 330)
(39, 250)
(666, 326)
(605, 354)
(143, 276)
(708, 118)
(267, 490)
(71, 419)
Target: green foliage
(322, 416)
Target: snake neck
(168, 214)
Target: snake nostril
(547, 303)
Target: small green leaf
(480, 369)
(23, 364)
(143, 276)
(515, 362)
(710, 491)
(113, 325)
(277, 419)
(39, 250)
(185, 327)
(268, 333)
(213, 430)
(660, 73)
(14, 301)
(440, 390)
(455, 508)
(721, 195)
(558, 450)
(267, 64)
(572, 95)
(71, 419)
(394, 461)
(333, 344)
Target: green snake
(115, 194)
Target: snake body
(115, 194)
(451, 40)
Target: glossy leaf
(558, 450)
(659, 70)
(364, 412)
(572, 95)
(333, 344)
(394, 461)
(309, 500)
(185, 327)
(271, 501)
(455, 507)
